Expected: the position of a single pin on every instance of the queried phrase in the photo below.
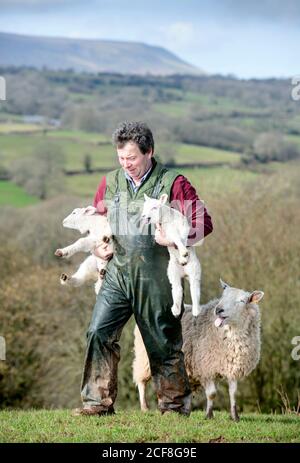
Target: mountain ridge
(90, 55)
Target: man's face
(133, 161)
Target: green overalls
(136, 283)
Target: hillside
(83, 55)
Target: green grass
(15, 127)
(14, 146)
(194, 153)
(76, 145)
(12, 195)
(78, 135)
(134, 426)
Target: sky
(246, 38)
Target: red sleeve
(184, 198)
(99, 197)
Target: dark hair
(137, 132)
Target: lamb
(183, 262)
(87, 220)
(224, 340)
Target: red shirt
(183, 197)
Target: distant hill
(90, 55)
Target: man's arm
(99, 197)
(103, 251)
(184, 198)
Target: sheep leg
(86, 271)
(142, 395)
(177, 291)
(141, 368)
(82, 245)
(210, 391)
(233, 408)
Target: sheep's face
(236, 306)
(151, 209)
(76, 219)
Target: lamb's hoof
(102, 273)
(176, 311)
(58, 253)
(196, 311)
(63, 278)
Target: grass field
(60, 426)
(12, 195)
(76, 145)
(15, 127)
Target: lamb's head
(151, 208)
(236, 306)
(77, 219)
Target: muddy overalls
(136, 283)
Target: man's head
(135, 148)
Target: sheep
(183, 262)
(87, 220)
(224, 340)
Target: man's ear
(255, 297)
(90, 210)
(163, 199)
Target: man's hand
(160, 237)
(104, 251)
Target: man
(136, 279)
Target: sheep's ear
(223, 284)
(90, 210)
(163, 199)
(255, 297)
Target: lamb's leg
(141, 368)
(86, 271)
(195, 295)
(183, 252)
(232, 392)
(174, 275)
(210, 391)
(82, 245)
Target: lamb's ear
(223, 284)
(163, 199)
(255, 297)
(90, 210)
(146, 198)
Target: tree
(41, 174)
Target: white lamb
(87, 220)
(183, 262)
(224, 340)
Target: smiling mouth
(219, 321)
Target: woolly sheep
(87, 220)
(183, 262)
(224, 340)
